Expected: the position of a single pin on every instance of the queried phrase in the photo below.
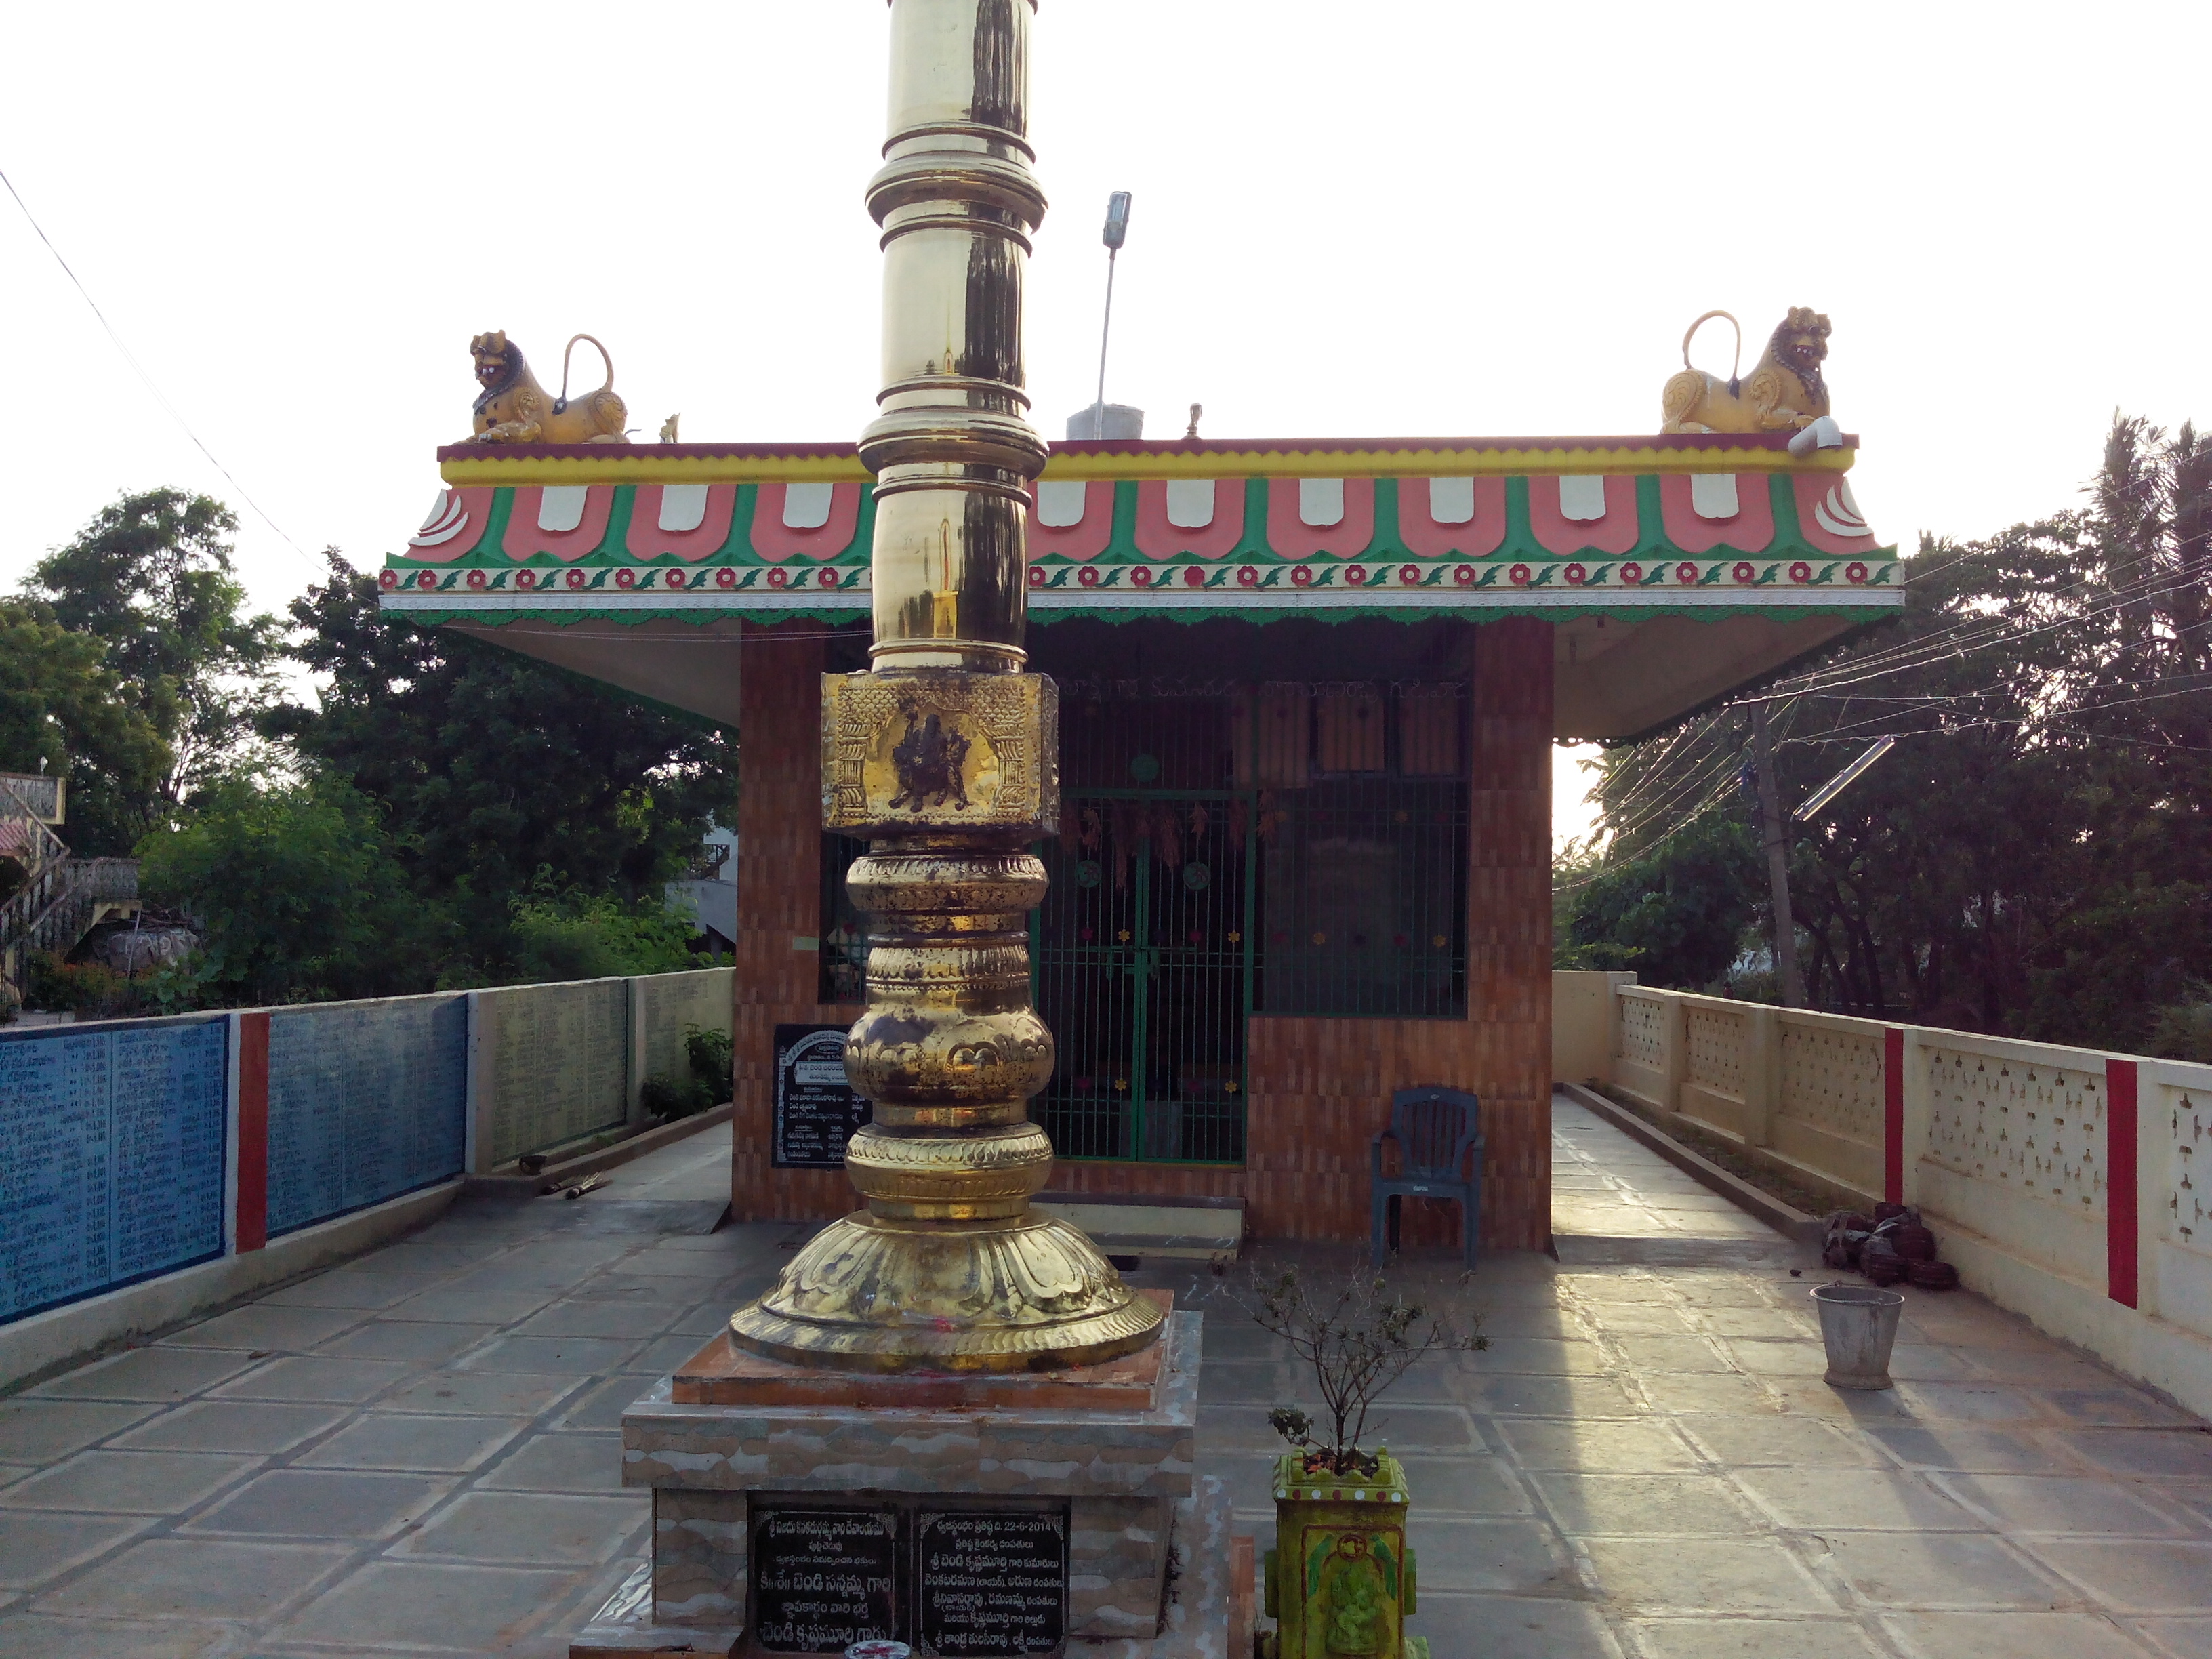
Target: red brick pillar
(1509, 968)
(779, 907)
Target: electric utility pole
(1775, 832)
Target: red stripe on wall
(1893, 1114)
(2122, 1193)
(252, 1131)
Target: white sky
(1429, 217)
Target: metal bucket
(1859, 1326)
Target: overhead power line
(139, 369)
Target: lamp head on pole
(1117, 220)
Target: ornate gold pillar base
(872, 1294)
(952, 774)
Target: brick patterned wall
(1319, 1088)
(779, 899)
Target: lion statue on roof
(513, 409)
(1782, 393)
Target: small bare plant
(1360, 1337)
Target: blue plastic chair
(1436, 1129)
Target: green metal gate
(1144, 956)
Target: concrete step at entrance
(1182, 1230)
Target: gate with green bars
(1281, 849)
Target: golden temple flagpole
(945, 757)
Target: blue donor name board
(367, 1101)
(111, 1157)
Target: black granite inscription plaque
(990, 1581)
(816, 1109)
(823, 1579)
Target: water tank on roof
(1107, 420)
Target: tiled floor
(418, 1452)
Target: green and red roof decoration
(1709, 524)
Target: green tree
(504, 779)
(151, 579)
(301, 892)
(2035, 854)
(1675, 912)
(62, 710)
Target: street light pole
(1774, 830)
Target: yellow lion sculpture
(513, 408)
(1782, 393)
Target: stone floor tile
(1705, 1575)
(479, 1393)
(1656, 1318)
(1552, 1324)
(567, 1357)
(703, 1321)
(1244, 1429)
(1551, 1396)
(160, 1374)
(401, 1440)
(530, 1529)
(1956, 1446)
(601, 1407)
(38, 1430)
(35, 1547)
(1938, 1569)
(2061, 1504)
(1762, 1358)
(35, 1636)
(449, 1305)
(366, 1290)
(2179, 1638)
(669, 1289)
(128, 1483)
(452, 1609)
(1789, 1441)
(322, 1503)
(344, 1381)
(1602, 1447)
(1751, 1638)
(2111, 1407)
(1824, 1500)
(261, 1326)
(1226, 1339)
(11, 1473)
(2010, 1635)
(445, 1254)
(1765, 1324)
(1511, 1627)
(601, 1319)
(1691, 1393)
(1626, 1286)
(2173, 1455)
(1246, 1382)
(1631, 1505)
(2134, 1575)
(1646, 1354)
(1726, 1289)
(1515, 1557)
(2191, 1497)
(231, 1425)
(1810, 1397)
(2040, 1368)
(418, 1339)
(559, 1462)
(1527, 1357)
(1456, 1485)
(664, 1354)
(177, 1578)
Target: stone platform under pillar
(1090, 1467)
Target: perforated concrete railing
(2184, 1208)
(1719, 1039)
(2033, 1126)
(1643, 1030)
(1831, 1076)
